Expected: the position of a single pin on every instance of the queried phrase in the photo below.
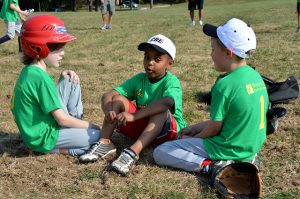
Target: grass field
(104, 59)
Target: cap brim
(142, 47)
(210, 30)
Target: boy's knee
(118, 98)
(65, 78)
(158, 153)
(121, 102)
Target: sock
(4, 39)
(206, 162)
(131, 152)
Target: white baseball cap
(160, 43)
(235, 34)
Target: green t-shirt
(35, 96)
(7, 13)
(241, 101)
(144, 93)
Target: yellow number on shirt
(262, 115)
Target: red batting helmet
(39, 30)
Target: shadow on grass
(203, 97)
(12, 145)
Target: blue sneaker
(109, 27)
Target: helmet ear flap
(44, 51)
(34, 51)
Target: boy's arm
(205, 129)
(192, 130)
(212, 128)
(20, 12)
(66, 120)
(156, 107)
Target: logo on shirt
(255, 87)
(139, 93)
(249, 89)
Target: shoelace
(93, 147)
(126, 159)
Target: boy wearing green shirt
(237, 127)
(49, 116)
(156, 114)
(13, 18)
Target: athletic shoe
(104, 27)
(125, 162)
(193, 23)
(99, 150)
(109, 27)
(214, 166)
(200, 23)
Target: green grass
(104, 59)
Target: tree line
(73, 5)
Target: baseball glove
(238, 180)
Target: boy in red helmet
(49, 116)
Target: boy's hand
(25, 12)
(73, 76)
(110, 116)
(186, 132)
(125, 117)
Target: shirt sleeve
(173, 90)
(47, 97)
(127, 88)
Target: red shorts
(136, 128)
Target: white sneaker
(200, 23)
(98, 150)
(104, 27)
(193, 23)
(125, 162)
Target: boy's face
(54, 58)
(218, 55)
(156, 63)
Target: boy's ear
(229, 52)
(171, 63)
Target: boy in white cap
(155, 116)
(237, 127)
